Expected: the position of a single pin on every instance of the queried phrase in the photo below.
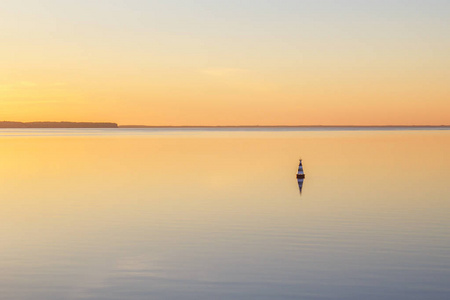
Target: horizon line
(212, 126)
(250, 126)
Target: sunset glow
(232, 62)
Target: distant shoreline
(7, 124)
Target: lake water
(218, 214)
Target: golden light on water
(100, 212)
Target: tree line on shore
(7, 124)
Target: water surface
(218, 214)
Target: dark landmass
(6, 124)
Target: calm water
(218, 214)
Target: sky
(215, 62)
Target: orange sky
(235, 63)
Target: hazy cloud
(220, 72)
(29, 92)
(20, 85)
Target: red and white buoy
(300, 173)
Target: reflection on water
(300, 184)
(300, 176)
(153, 214)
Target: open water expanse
(218, 214)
